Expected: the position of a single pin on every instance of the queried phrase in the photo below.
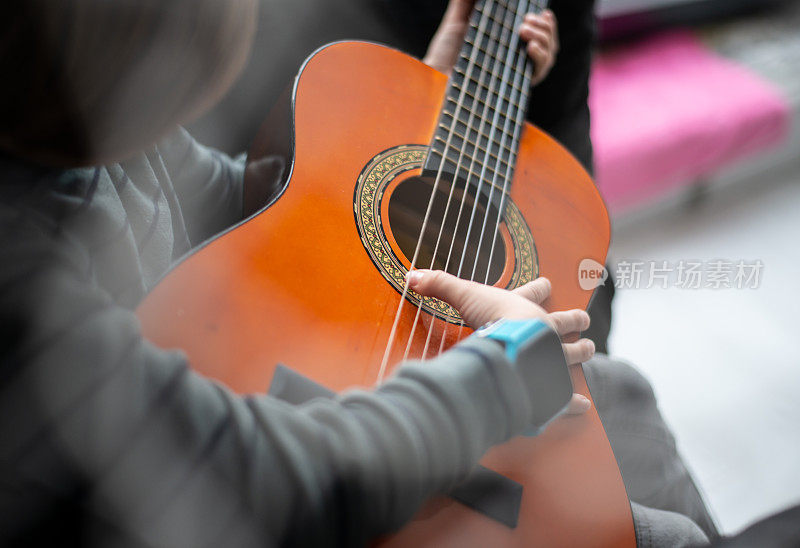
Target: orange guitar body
(295, 284)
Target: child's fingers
(545, 22)
(460, 10)
(541, 58)
(578, 352)
(554, 28)
(529, 33)
(536, 291)
(538, 20)
(569, 321)
(578, 405)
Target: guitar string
(445, 156)
(504, 195)
(513, 51)
(393, 333)
(471, 170)
(518, 76)
(519, 122)
(528, 68)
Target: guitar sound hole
(407, 206)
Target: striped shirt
(106, 440)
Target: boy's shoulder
(31, 240)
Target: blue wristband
(535, 351)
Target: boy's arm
(209, 184)
(91, 412)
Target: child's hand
(446, 43)
(479, 304)
(539, 31)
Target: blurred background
(695, 108)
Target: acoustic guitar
(390, 165)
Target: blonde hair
(90, 81)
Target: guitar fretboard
(479, 127)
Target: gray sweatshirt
(107, 440)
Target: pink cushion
(668, 110)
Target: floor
(725, 363)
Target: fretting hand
(540, 31)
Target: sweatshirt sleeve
(209, 184)
(92, 414)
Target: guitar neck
(483, 112)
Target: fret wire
(476, 99)
(490, 15)
(446, 112)
(493, 40)
(455, 130)
(437, 152)
(483, 149)
(496, 45)
(482, 51)
(501, 3)
(503, 66)
(470, 172)
(513, 54)
(480, 102)
(503, 149)
(501, 23)
(465, 88)
(490, 36)
(539, 6)
(511, 150)
(512, 85)
(460, 72)
(493, 96)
